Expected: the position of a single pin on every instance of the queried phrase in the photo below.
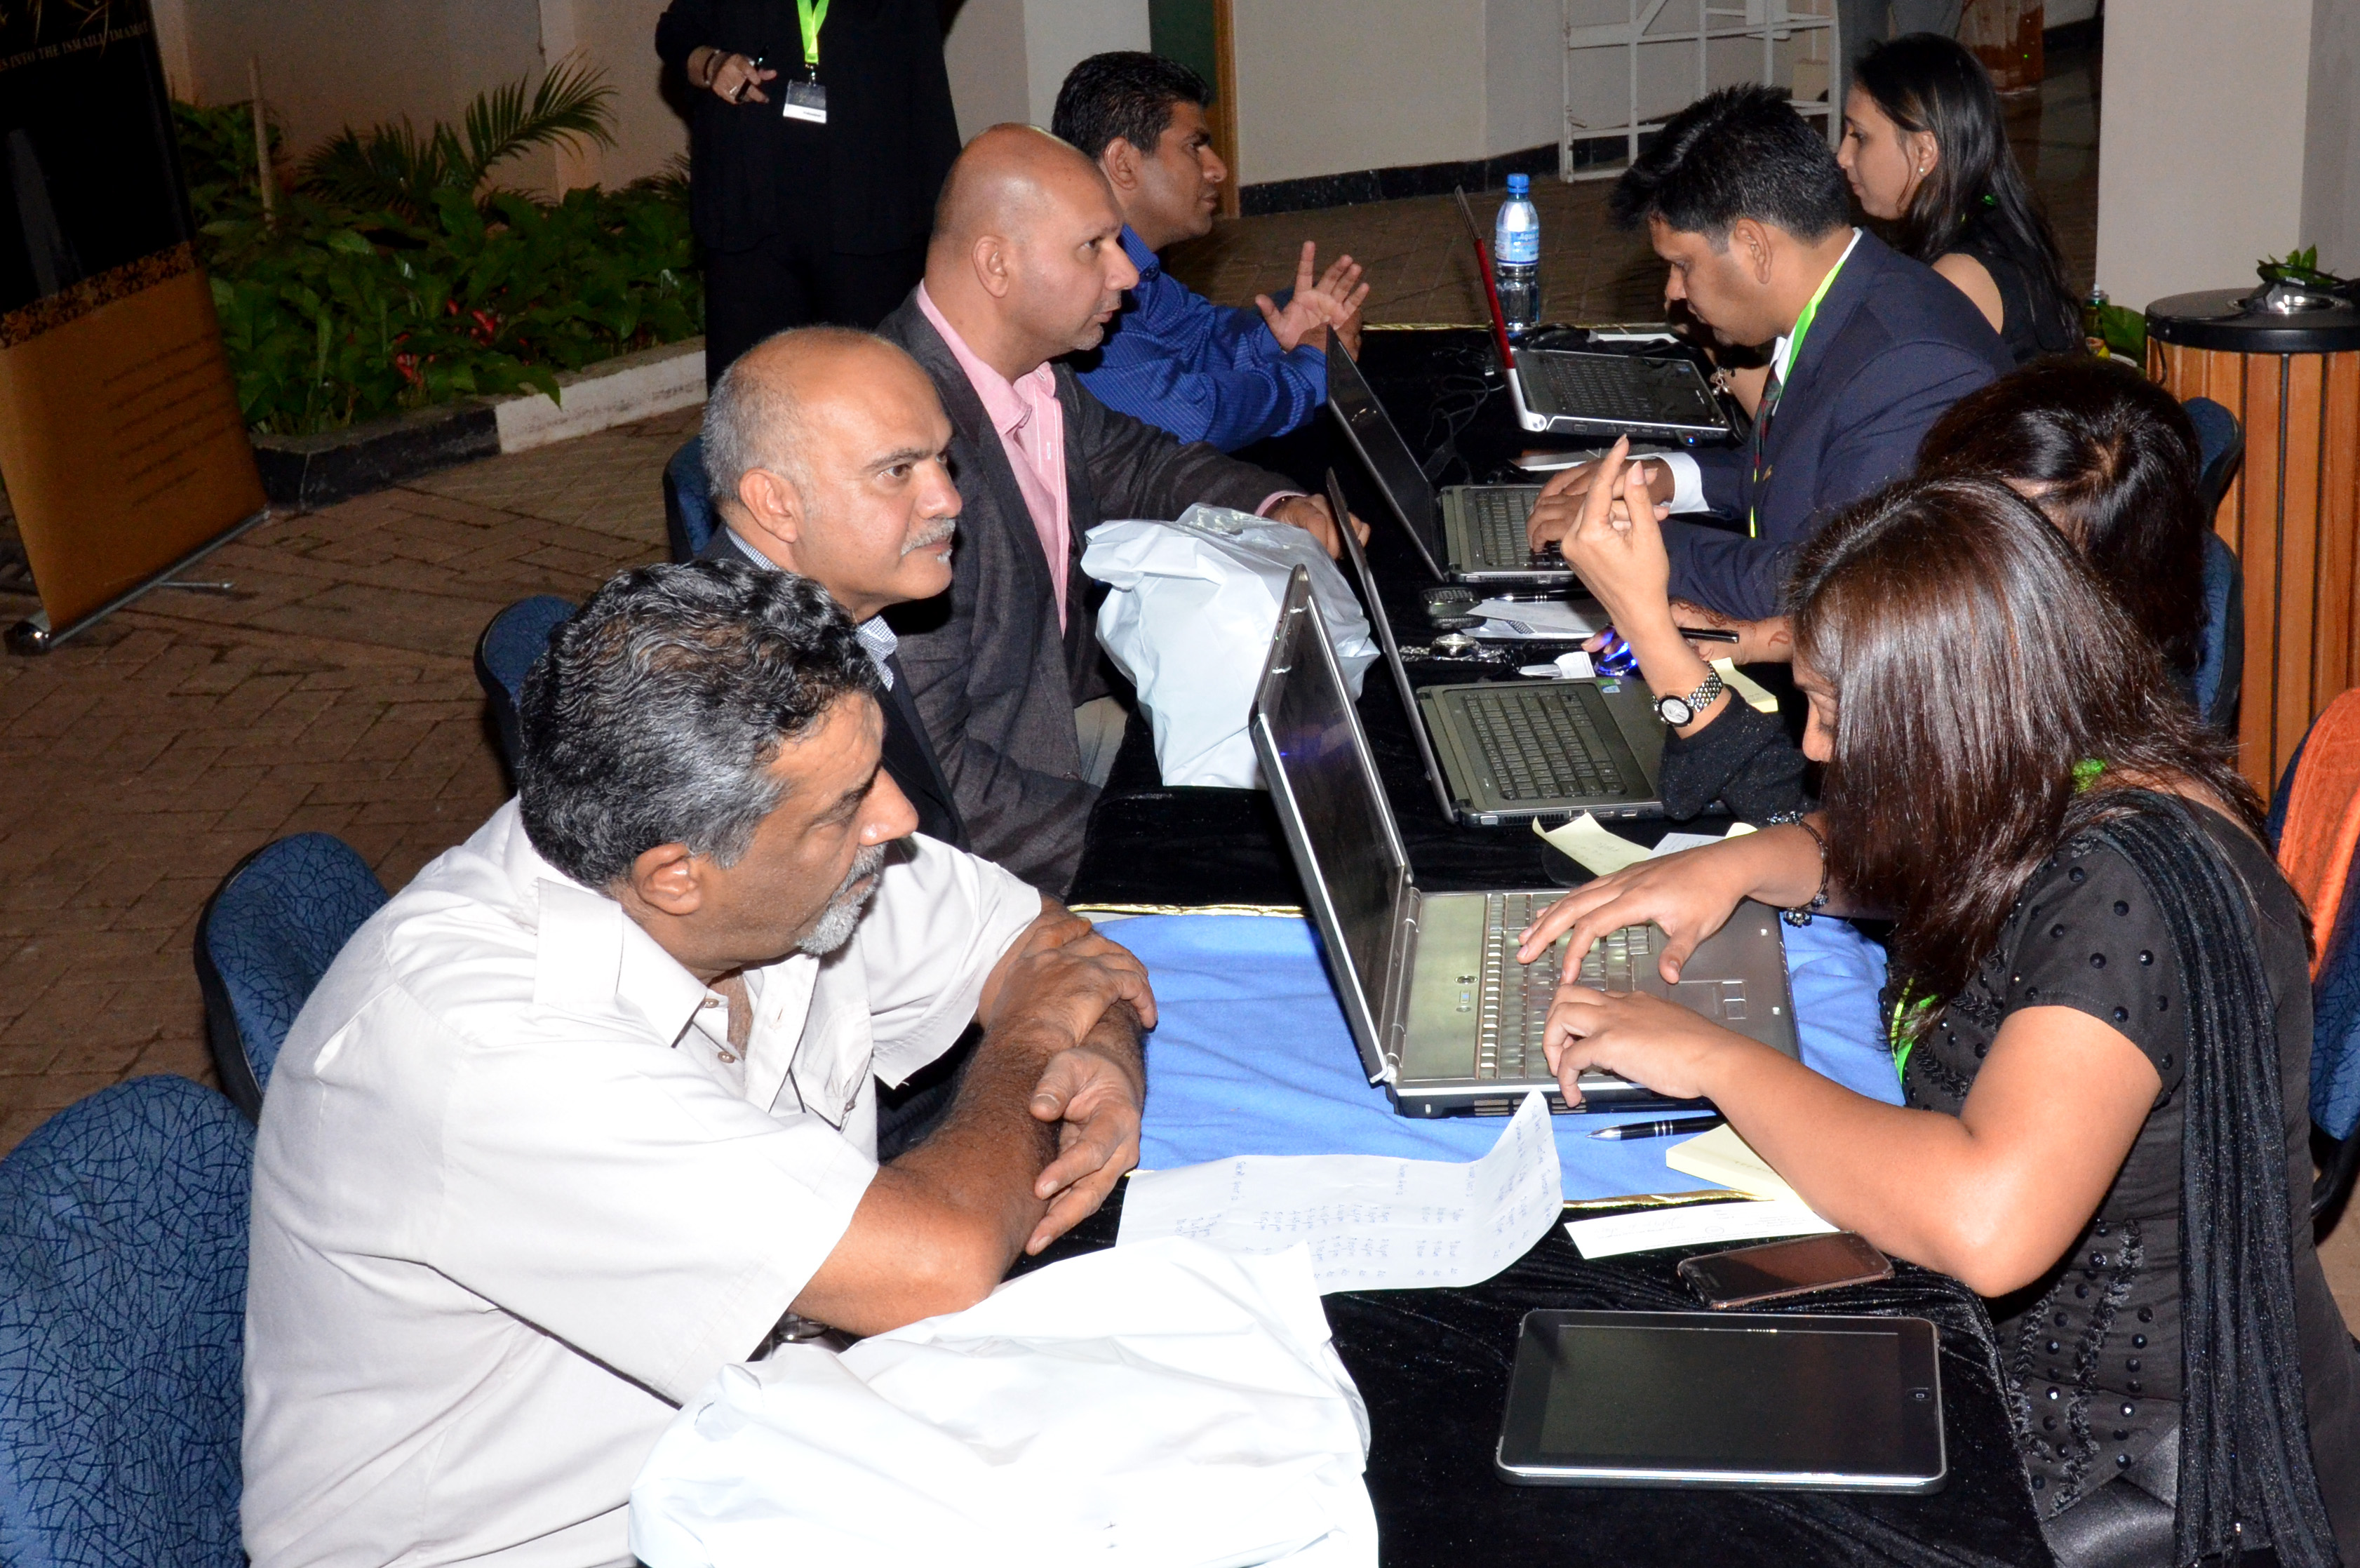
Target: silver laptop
(1566, 391)
(1505, 750)
(1443, 1015)
(1471, 534)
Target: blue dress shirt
(1177, 361)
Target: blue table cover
(1253, 1055)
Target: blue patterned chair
(506, 653)
(266, 936)
(688, 503)
(123, 1224)
(2221, 665)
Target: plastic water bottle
(1516, 257)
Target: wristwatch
(1678, 710)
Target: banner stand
(34, 635)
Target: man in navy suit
(1747, 208)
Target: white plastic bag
(1189, 620)
(1161, 1406)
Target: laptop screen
(1490, 285)
(1333, 795)
(1358, 559)
(1386, 456)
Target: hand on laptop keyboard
(1658, 1044)
(1562, 498)
(1689, 894)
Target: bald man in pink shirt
(1026, 265)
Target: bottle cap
(1520, 184)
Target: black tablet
(1784, 1400)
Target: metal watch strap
(1700, 699)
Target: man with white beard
(588, 1110)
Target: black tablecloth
(1433, 1364)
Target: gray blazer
(994, 681)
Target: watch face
(1675, 711)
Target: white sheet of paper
(1372, 1222)
(1694, 1224)
(1556, 618)
(1602, 854)
(1573, 666)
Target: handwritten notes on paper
(1372, 1222)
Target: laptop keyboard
(1495, 520)
(1516, 997)
(1614, 387)
(1540, 744)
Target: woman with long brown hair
(2100, 1019)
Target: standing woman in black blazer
(1926, 150)
(807, 220)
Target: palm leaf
(396, 168)
(390, 166)
(571, 104)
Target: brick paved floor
(333, 690)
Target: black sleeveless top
(2090, 1351)
(2026, 330)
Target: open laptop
(1444, 1015)
(1472, 534)
(1567, 392)
(1505, 750)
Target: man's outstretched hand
(1320, 302)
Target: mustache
(866, 863)
(938, 531)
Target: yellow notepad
(1748, 690)
(1721, 1156)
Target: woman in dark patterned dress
(2101, 1011)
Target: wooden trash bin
(2293, 514)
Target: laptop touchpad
(1702, 996)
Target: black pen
(1700, 634)
(1660, 1129)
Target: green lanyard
(2085, 772)
(1904, 1009)
(1794, 357)
(814, 17)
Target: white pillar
(2200, 143)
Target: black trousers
(794, 279)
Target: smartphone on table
(1773, 1270)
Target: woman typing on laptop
(2100, 1012)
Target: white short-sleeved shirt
(514, 1196)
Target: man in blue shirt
(1173, 359)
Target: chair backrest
(506, 653)
(2221, 647)
(2314, 815)
(2220, 447)
(266, 936)
(123, 1225)
(688, 501)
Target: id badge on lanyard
(807, 100)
